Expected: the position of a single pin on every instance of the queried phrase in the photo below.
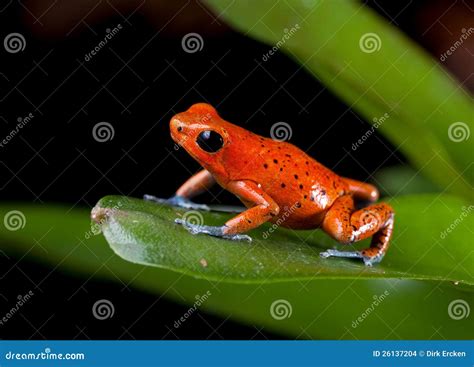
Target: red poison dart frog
(267, 176)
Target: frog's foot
(368, 260)
(216, 231)
(179, 201)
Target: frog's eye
(210, 141)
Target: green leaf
(321, 308)
(402, 180)
(397, 78)
(145, 233)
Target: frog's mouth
(181, 140)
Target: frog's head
(202, 133)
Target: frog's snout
(176, 125)
(177, 128)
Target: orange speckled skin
(282, 180)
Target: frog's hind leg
(347, 226)
(361, 190)
(194, 186)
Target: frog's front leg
(347, 225)
(194, 186)
(249, 192)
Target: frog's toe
(216, 231)
(368, 260)
(188, 204)
(154, 199)
(337, 253)
(237, 237)
(371, 260)
(178, 201)
(200, 228)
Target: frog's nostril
(178, 125)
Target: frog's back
(302, 187)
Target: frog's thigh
(264, 209)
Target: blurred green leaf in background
(376, 70)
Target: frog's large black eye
(210, 141)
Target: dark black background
(56, 159)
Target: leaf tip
(99, 215)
